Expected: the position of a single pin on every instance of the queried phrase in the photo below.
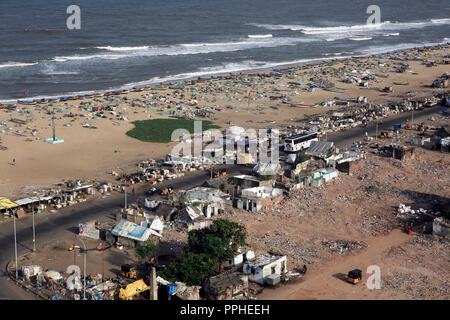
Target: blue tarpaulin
(171, 288)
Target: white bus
(299, 142)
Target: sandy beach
(91, 153)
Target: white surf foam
(260, 36)
(360, 38)
(109, 48)
(17, 64)
(387, 25)
(192, 48)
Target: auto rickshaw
(354, 276)
(167, 191)
(128, 271)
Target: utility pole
(376, 132)
(15, 244)
(248, 100)
(34, 232)
(153, 285)
(84, 284)
(53, 125)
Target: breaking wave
(360, 38)
(260, 36)
(17, 64)
(387, 25)
(109, 48)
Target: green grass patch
(160, 130)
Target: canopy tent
(7, 204)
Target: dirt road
(328, 282)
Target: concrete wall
(280, 266)
(440, 229)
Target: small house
(262, 267)
(227, 285)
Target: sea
(123, 44)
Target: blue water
(126, 43)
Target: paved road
(51, 226)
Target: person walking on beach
(14, 162)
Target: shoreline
(205, 76)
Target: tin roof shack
(321, 149)
(255, 199)
(323, 176)
(210, 200)
(163, 210)
(346, 162)
(441, 227)
(401, 152)
(131, 234)
(34, 203)
(265, 269)
(75, 193)
(228, 285)
(191, 218)
(266, 169)
(445, 144)
(246, 181)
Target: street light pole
(15, 244)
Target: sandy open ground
(91, 153)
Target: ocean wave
(57, 73)
(88, 57)
(360, 38)
(17, 64)
(189, 48)
(387, 25)
(392, 34)
(109, 48)
(260, 36)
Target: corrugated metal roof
(319, 147)
(25, 201)
(131, 230)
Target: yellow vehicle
(220, 174)
(354, 276)
(385, 134)
(128, 271)
(133, 289)
(430, 103)
(167, 191)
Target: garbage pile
(343, 246)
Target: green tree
(207, 249)
(301, 158)
(191, 268)
(220, 241)
(147, 250)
